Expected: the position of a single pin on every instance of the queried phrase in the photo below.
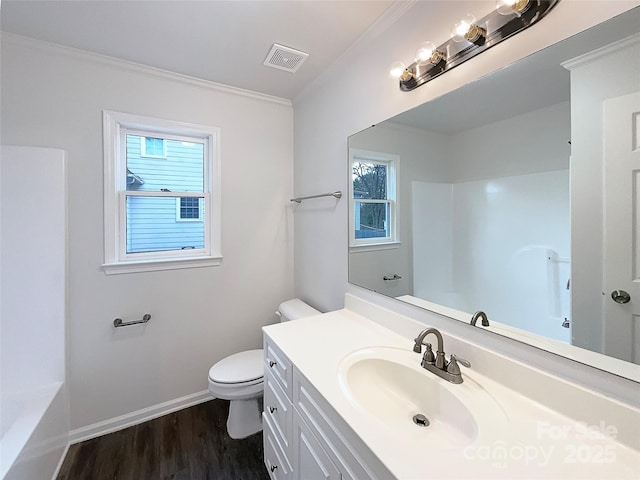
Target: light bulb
(466, 29)
(399, 70)
(424, 52)
(461, 27)
(512, 7)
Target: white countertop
(517, 437)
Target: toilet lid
(239, 367)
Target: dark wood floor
(188, 444)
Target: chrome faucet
(480, 314)
(437, 363)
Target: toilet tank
(294, 309)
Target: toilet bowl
(240, 378)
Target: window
(153, 147)
(162, 194)
(373, 198)
(188, 209)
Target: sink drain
(421, 420)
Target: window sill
(374, 246)
(157, 265)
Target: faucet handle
(453, 368)
(428, 358)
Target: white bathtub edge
(139, 416)
(36, 405)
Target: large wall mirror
(516, 195)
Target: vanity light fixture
(469, 37)
(467, 29)
(428, 53)
(399, 70)
(509, 7)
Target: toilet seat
(240, 369)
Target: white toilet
(240, 378)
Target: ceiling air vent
(285, 58)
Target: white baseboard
(134, 418)
(61, 461)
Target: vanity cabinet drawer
(277, 407)
(279, 365)
(275, 459)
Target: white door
(621, 117)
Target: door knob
(620, 296)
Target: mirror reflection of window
(373, 195)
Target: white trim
(160, 264)
(126, 65)
(116, 260)
(56, 472)
(590, 57)
(139, 416)
(374, 247)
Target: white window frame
(178, 211)
(392, 162)
(116, 259)
(143, 148)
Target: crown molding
(381, 25)
(126, 65)
(601, 52)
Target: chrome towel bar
(119, 323)
(336, 194)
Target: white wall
(55, 98)
(357, 92)
(533, 142)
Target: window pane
(371, 220)
(181, 171)
(154, 146)
(152, 225)
(369, 180)
(189, 208)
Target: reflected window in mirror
(372, 194)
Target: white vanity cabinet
(304, 439)
(277, 416)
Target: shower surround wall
(503, 244)
(504, 248)
(34, 403)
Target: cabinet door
(310, 460)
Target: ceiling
(216, 40)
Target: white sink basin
(391, 388)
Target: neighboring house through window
(162, 194)
(373, 201)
